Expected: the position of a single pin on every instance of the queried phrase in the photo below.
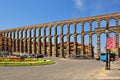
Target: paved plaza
(64, 69)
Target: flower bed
(25, 62)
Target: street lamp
(107, 51)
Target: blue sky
(19, 13)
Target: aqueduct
(25, 38)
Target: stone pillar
(25, 42)
(50, 46)
(17, 42)
(50, 42)
(82, 44)
(34, 42)
(61, 43)
(39, 42)
(90, 26)
(90, 46)
(29, 43)
(82, 40)
(98, 23)
(21, 42)
(7, 34)
(117, 22)
(82, 24)
(13, 48)
(44, 46)
(61, 47)
(75, 40)
(68, 46)
(75, 28)
(55, 43)
(68, 42)
(39, 45)
(11, 41)
(75, 44)
(117, 44)
(98, 44)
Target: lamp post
(107, 51)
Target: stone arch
(86, 39)
(65, 29)
(79, 39)
(112, 34)
(119, 22)
(71, 44)
(94, 25)
(52, 30)
(37, 32)
(86, 44)
(65, 45)
(47, 31)
(53, 45)
(32, 32)
(58, 45)
(112, 22)
(47, 45)
(71, 28)
(42, 45)
(42, 31)
(103, 23)
(86, 26)
(19, 35)
(28, 33)
(78, 28)
(94, 42)
(103, 42)
(78, 44)
(58, 30)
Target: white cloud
(79, 4)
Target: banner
(111, 42)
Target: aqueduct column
(21, 42)
(50, 42)
(34, 42)
(61, 43)
(44, 44)
(68, 41)
(39, 41)
(117, 43)
(82, 40)
(98, 43)
(11, 40)
(117, 22)
(17, 42)
(90, 43)
(75, 40)
(25, 42)
(55, 42)
(29, 42)
(90, 46)
(13, 48)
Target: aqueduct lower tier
(42, 38)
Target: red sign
(111, 42)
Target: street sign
(111, 42)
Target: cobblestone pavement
(64, 69)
